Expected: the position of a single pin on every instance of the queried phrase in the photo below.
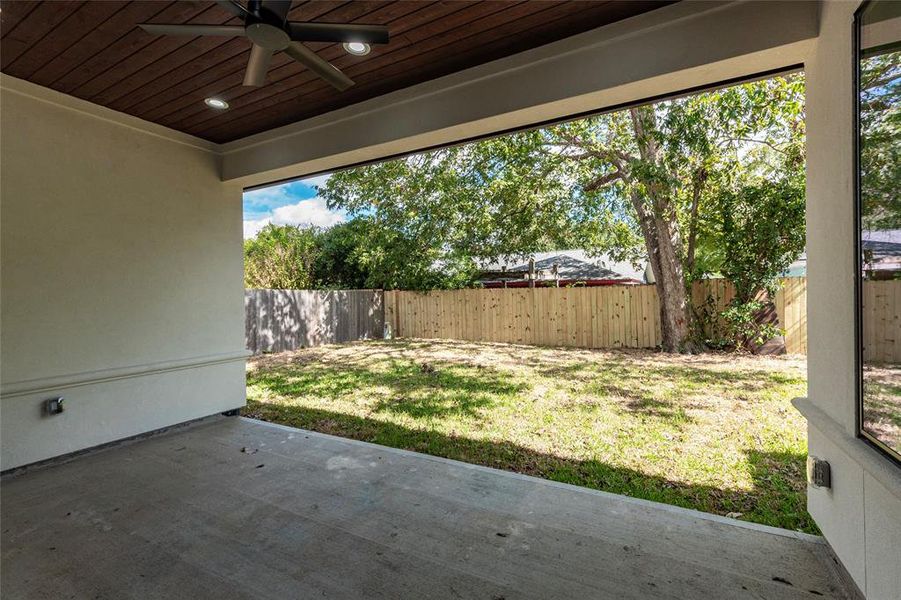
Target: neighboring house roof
(885, 246)
(572, 265)
(882, 249)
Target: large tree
(631, 183)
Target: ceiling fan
(266, 26)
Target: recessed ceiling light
(356, 48)
(216, 103)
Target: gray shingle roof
(572, 265)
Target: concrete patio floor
(236, 508)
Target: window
(878, 59)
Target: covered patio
(237, 508)
(124, 156)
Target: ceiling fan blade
(277, 8)
(257, 66)
(234, 7)
(324, 69)
(223, 30)
(337, 32)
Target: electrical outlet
(54, 406)
(819, 473)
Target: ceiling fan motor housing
(268, 36)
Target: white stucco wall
(861, 515)
(121, 280)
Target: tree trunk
(698, 179)
(657, 219)
(670, 282)
(674, 323)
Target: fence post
(389, 308)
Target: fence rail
(278, 320)
(620, 316)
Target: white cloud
(312, 211)
(269, 197)
(251, 228)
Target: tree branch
(603, 180)
(699, 178)
(752, 140)
(591, 150)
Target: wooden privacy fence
(278, 320)
(588, 317)
(881, 324)
(621, 316)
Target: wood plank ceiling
(95, 51)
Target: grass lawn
(713, 432)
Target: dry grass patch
(882, 402)
(714, 432)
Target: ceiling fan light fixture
(357, 48)
(217, 103)
(265, 25)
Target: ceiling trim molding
(40, 93)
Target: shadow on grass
(665, 410)
(773, 500)
(624, 372)
(783, 476)
(418, 390)
(663, 392)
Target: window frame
(856, 50)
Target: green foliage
(340, 261)
(750, 223)
(748, 140)
(280, 257)
(880, 129)
(365, 253)
(760, 229)
(394, 260)
(499, 197)
(352, 255)
(743, 327)
(573, 184)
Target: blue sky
(294, 203)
